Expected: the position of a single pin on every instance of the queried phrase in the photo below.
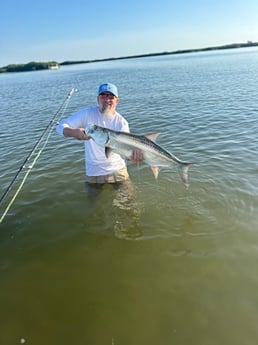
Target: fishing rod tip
(72, 91)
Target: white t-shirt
(96, 162)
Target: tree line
(30, 66)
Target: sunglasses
(107, 95)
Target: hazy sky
(32, 30)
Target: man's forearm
(77, 133)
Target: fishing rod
(58, 115)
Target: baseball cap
(108, 87)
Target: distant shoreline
(227, 46)
(28, 67)
(33, 66)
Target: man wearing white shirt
(99, 168)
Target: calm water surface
(187, 274)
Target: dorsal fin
(152, 136)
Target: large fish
(124, 143)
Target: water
(189, 275)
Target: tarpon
(124, 143)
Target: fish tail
(183, 171)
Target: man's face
(107, 103)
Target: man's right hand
(77, 133)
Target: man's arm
(77, 133)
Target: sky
(62, 30)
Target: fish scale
(124, 143)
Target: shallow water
(187, 272)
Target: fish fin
(155, 171)
(152, 136)
(108, 151)
(183, 171)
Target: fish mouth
(90, 129)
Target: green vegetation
(31, 66)
(35, 66)
(228, 46)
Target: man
(99, 168)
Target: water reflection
(117, 204)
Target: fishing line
(25, 165)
